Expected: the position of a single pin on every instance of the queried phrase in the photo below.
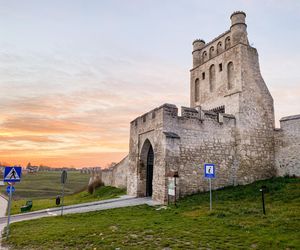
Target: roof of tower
(199, 40)
(238, 12)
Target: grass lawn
(236, 222)
(101, 193)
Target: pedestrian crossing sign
(12, 174)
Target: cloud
(38, 139)
(66, 107)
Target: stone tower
(230, 122)
(226, 78)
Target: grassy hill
(236, 222)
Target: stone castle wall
(255, 122)
(203, 137)
(147, 130)
(287, 146)
(116, 176)
(181, 143)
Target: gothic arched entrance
(146, 170)
(149, 171)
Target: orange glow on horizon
(77, 161)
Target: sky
(74, 73)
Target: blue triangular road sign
(12, 174)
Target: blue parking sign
(209, 170)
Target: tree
(28, 165)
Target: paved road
(124, 201)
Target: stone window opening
(203, 75)
(220, 67)
(204, 56)
(211, 52)
(227, 42)
(219, 47)
(230, 75)
(197, 90)
(212, 78)
(144, 118)
(153, 114)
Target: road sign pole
(210, 198)
(8, 216)
(62, 202)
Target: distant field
(47, 185)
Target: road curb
(4, 197)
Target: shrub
(95, 184)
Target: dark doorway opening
(150, 160)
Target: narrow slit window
(220, 67)
(230, 75)
(197, 90)
(212, 78)
(203, 75)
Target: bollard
(263, 190)
(57, 201)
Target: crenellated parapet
(203, 52)
(158, 117)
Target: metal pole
(8, 216)
(210, 203)
(63, 194)
(263, 200)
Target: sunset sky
(73, 74)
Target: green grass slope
(101, 193)
(236, 222)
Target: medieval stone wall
(287, 146)
(107, 177)
(202, 138)
(255, 122)
(147, 130)
(116, 176)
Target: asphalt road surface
(124, 201)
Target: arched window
(212, 78)
(227, 42)
(219, 47)
(204, 56)
(197, 90)
(211, 52)
(230, 75)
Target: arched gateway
(146, 169)
(149, 172)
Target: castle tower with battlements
(230, 122)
